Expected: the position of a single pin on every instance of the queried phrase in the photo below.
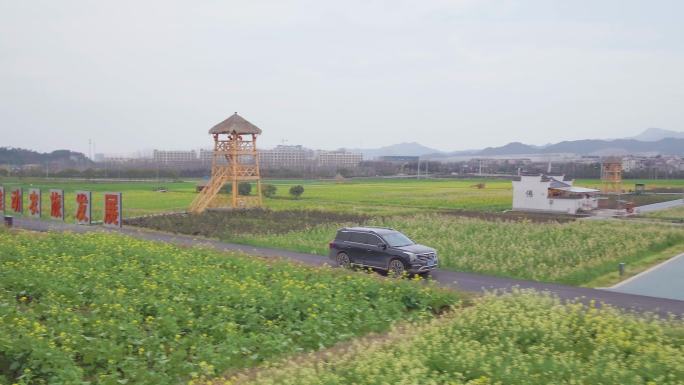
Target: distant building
(552, 194)
(205, 156)
(292, 157)
(338, 158)
(160, 156)
(111, 158)
(399, 159)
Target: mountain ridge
(651, 141)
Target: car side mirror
(382, 246)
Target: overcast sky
(452, 75)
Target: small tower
(611, 175)
(235, 159)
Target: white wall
(530, 194)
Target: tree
(296, 191)
(244, 188)
(268, 190)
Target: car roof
(369, 229)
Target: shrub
(244, 188)
(296, 191)
(268, 190)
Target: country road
(451, 279)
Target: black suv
(381, 248)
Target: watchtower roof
(235, 123)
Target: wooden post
(258, 172)
(234, 144)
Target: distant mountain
(650, 142)
(514, 148)
(20, 156)
(630, 146)
(656, 134)
(406, 149)
(667, 146)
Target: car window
(397, 239)
(343, 235)
(357, 237)
(372, 239)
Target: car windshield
(397, 239)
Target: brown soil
(238, 222)
(516, 216)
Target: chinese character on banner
(34, 203)
(57, 204)
(2, 199)
(17, 198)
(112, 209)
(83, 201)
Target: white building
(161, 156)
(292, 157)
(552, 194)
(338, 158)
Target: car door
(372, 255)
(355, 247)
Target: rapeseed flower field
(570, 253)
(522, 338)
(108, 309)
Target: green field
(571, 253)
(367, 196)
(676, 214)
(676, 185)
(520, 339)
(139, 198)
(108, 309)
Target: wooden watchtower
(234, 160)
(611, 175)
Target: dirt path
(451, 279)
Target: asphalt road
(451, 279)
(661, 206)
(665, 280)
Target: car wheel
(396, 268)
(343, 260)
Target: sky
(452, 75)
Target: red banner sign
(34, 208)
(57, 204)
(83, 206)
(17, 200)
(112, 210)
(2, 199)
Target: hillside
(20, 156)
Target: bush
(296, 191)
(268, 190)
(244, 188)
